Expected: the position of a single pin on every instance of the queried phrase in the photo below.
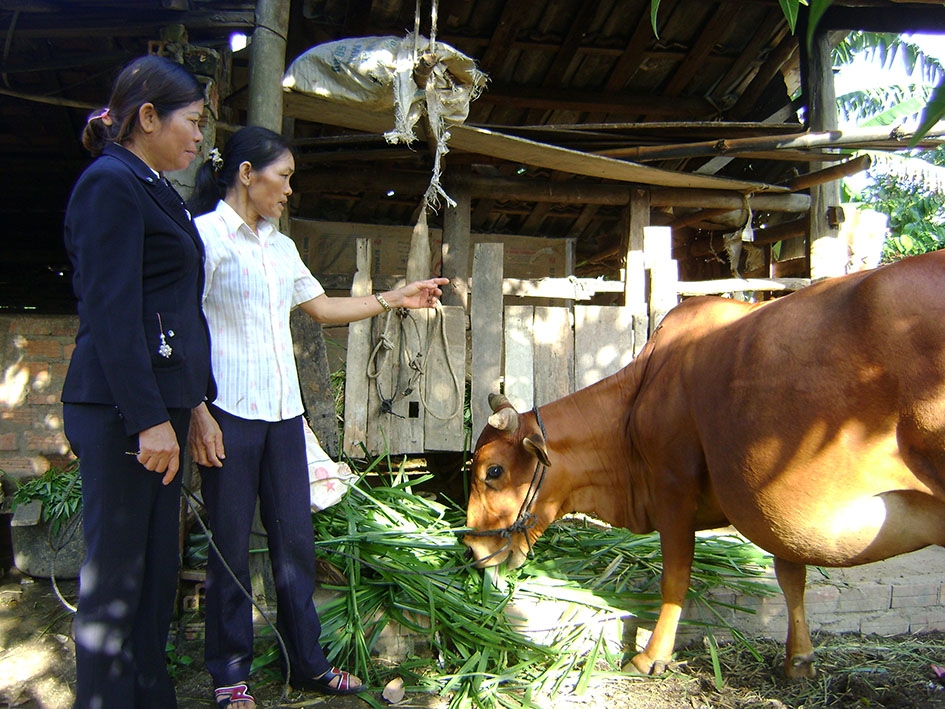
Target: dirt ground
(37, 670)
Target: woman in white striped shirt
(254, 277)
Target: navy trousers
(264, 459)
(128, 580)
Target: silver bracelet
(384, 304)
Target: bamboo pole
(835, 172)
(829, 174)
(816, 139)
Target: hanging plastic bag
(377, 73)
(328, 481)
(410, 76)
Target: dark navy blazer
(137, 274)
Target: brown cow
(814, 424)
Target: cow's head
(509, 459)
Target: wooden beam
(530, 190)
(596, 103)
(507, 147)
(829, 174)
(734, 146)
(780, 232)
(83, 25)
(885, 19)
(485, 142)
(729, 285)
(700, 199)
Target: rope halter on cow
(526, 518)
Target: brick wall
(34, 356)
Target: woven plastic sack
(359, 71)
(328, 481)
(377, 72)
(404, 76)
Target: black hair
(258, 146)
(165, 84)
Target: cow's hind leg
(799, 652)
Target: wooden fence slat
(554, 354)
(485, 312)
(359, 349)
(398, 430)
(603, 342)
(520, 371)
(664, 279)
(444, 380)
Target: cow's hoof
(642, 664)
(800, 667)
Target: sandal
(324, 685)
(227, 696)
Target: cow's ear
(504, 420)
(536, 446)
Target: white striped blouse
(252, 284)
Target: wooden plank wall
(414, 361)
(536, 354)
(533, 353)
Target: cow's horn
(498, 401)
(505, 419)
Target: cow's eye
(493, 472)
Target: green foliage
(933, 113)
(60, 491)
(404, 562)
(916, 211)
(887, 49)
(176, 660)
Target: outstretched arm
(336, 311)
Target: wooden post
(267, 64)
(828, 253)
(635, 271)
(663, 270)
(485, 311)
(519, 368)
(444, 378)
(456, 225)
(266, 68)
(554, 354)
(359, 349)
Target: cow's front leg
(678, 549)
(799, 652)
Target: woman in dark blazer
(141, 365)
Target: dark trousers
(128, 581)
(267, 460)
